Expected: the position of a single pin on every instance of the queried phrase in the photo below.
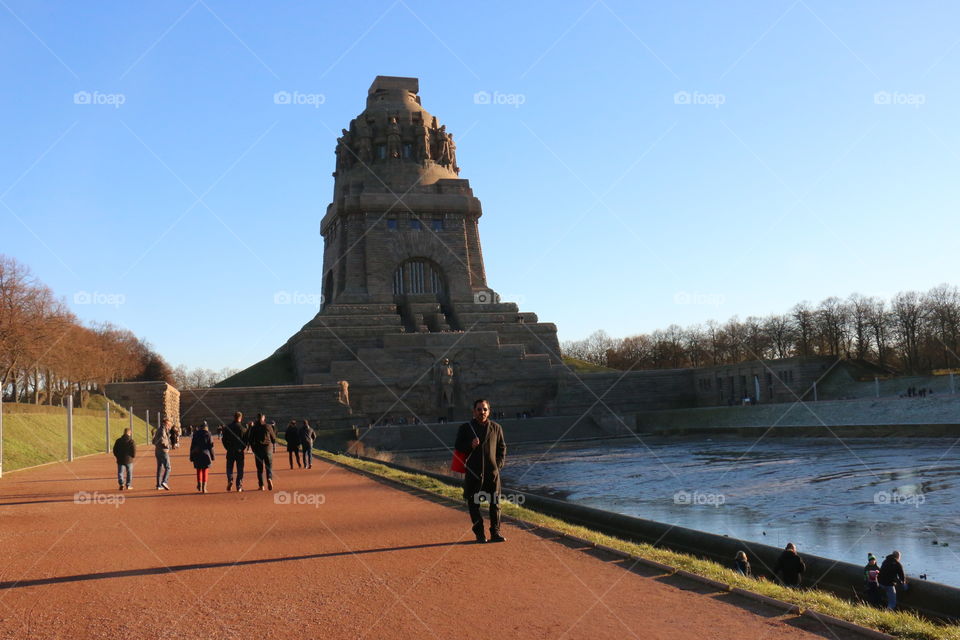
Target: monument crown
(393, 90)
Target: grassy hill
(35, 435)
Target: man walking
(262, 438)
(307, 436)
(292, 436)
(235, 442)
(125, 450)
(161, 449)
(481, 441)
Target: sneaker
(159, 488)
(129, 486)
(121, 487)
(481, 539)
(270, 484)
(239, 489)
(165, 486)
(261, 488)
(496, 537)
(230, 485)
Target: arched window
(418, 276)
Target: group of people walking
(887, 579)
(258, 436)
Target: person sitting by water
(742, 564)
(790, 566)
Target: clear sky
(639, 164)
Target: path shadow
(126, 573)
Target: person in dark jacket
(235, 442)
(890, 576)
(262, 438)
(481, 441)
(742, 564)
(292, 436)
(162, 444)
(790, 566)
(870, 574)
(125, 450)
(307, 436)
(201, 455)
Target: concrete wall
(317, 403)
(146, 396)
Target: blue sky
(647, 163)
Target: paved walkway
(338, 555)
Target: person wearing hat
(870, 574)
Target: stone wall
(147, 396)
(317, 403)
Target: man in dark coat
(262, 438)
(125, 450)
(235, 442)
(891, 576)
(307, 436)
(481, 441)
(292, 436)
(790, 566)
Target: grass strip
(902, 624)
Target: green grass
(36, 438)
(274, 370)
(582, 366)
(897, 623)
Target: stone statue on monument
(393, 139)
(343, 395)
(445, 380)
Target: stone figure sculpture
(445, 379)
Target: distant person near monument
(262, 439)
(292, 436)
(235, 442)
(481, 441)
(125, 450)
(307, 436)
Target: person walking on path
(262, 439)
(481, 441)
(161, 449)
(175, 436)
(891, 576)
(292, 436)
(307, 436)
(201, 455)
(125, 450)
(790, 566)
(235, 442)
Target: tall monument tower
(407, 313)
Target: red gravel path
(371, 561)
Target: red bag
(458, 464)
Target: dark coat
(891, 572)
(790, 567)
(307, 436)
(235, 437)
(261, 435)
(124, 449)
(292, 436)
(201, 449)
(484, 462)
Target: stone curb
(773, 602)
(837, 622)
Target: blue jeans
(307, 455)
(163, 464)
(891, 596)
(128, 468)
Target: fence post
(146, 427)
(107, 425)
(1, 431)
(130, 415)
(70, 427)
(876, 385)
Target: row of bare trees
(199, 378)
(912, 333)
(46, 352)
